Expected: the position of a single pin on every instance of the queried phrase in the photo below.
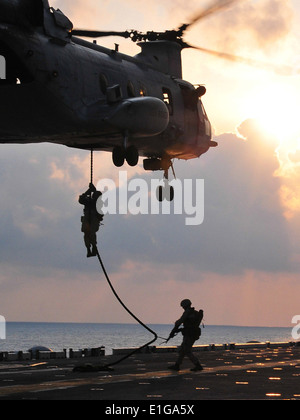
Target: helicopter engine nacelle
(140, 117)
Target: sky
(242, 264)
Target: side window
(204, 124)
(130, 90)
(103, 83)
(168, 100)
(208, 128)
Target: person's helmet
(186, 303)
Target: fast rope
(130, 313)
(92, 166)
(108, 366)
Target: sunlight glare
(276, 108)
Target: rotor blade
(277, 68)
(213, 8)
(98, 34)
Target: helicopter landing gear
(165, 192)
(120, 154)
(124, 152)
(132, 156)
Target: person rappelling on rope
(91, 220)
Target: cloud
(289, 175)
(243, 243)
(243, 228)
(104, 16)
(37, 208)
(254, 298)
(250, 24)
(41, 217)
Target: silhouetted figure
(191, 320)
(91, 219)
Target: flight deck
(237, 373)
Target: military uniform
(191, 333)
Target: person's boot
(174, 367)
(197, 368)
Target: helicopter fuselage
(69, 91)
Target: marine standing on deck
(191, 331)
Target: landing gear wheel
(165, 193)
(118, 156)
(132, 156)
(171, 194)
(160, 194)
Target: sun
(276, 108)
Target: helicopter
(63, 89)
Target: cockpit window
(168, 100)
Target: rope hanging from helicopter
(130, 313)
(97, 253)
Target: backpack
(200, 316)
(192, 325)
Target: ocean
(21, 336)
